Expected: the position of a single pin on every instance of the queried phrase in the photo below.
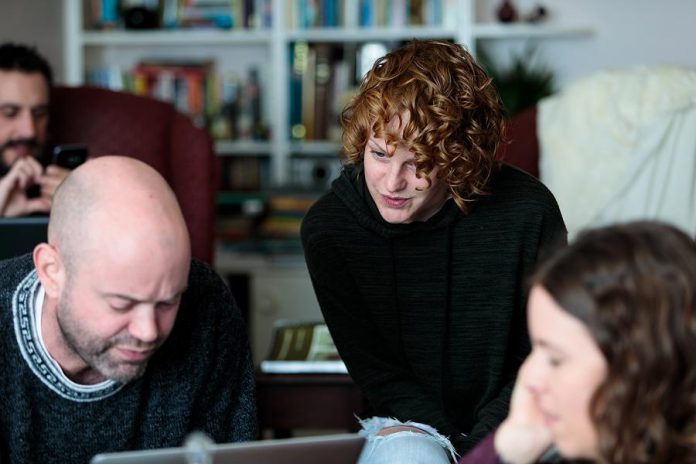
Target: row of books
(245, 173)
(251, 174)
(306, 14)
(302, 347)
(226, 14)
(239, 214)
(254, 218)
(285, 213)
(175, 14)
(254, 14)
(313, 173)
(268, 225)
(228, 104)
(321, 83)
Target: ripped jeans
(404, 447)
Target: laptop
(337, 449)
(20, 235)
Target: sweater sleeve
(226, 403)
(484, 453)
(378, 369)
(549, 233)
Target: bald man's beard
(98, 353)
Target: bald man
(111, 338)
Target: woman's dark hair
(634, 287)
(456, 118)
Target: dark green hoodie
(430, 316)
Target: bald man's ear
(50, 268)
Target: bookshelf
(266, 48)
(278, 283)
(281, 73)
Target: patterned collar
(27, 329)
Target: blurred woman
(612, 373)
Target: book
(299, 52)
(223, 14)
(308, 89)
(322, 86)
(303, 367)
(102, 14)
(181, 83)
(302, 347)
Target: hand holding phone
(13, 200)
(65, 158)
(69, 156)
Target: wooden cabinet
(279, 289)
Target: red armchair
(521, 146)
(118, 123)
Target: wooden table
(307, 401)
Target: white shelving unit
(278, 290)
(237, 48)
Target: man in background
(111, 337)
(25, 88)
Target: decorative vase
(507, 12)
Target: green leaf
(523, 83)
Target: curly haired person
(612, 373)
(419, 253)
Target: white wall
(38, 23)
(626, 33)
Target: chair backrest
(118, 123)
(521, 145)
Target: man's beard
(96, 352)
(30, 143)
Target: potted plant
(523, 83)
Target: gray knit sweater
(429, 317)
(200, 379)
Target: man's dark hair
(16, 57)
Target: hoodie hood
(350, 187)
(429, 316)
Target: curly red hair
(456, 117)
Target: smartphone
(70, 156)
(67, 156)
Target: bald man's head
(115, 270)
(117, 205)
